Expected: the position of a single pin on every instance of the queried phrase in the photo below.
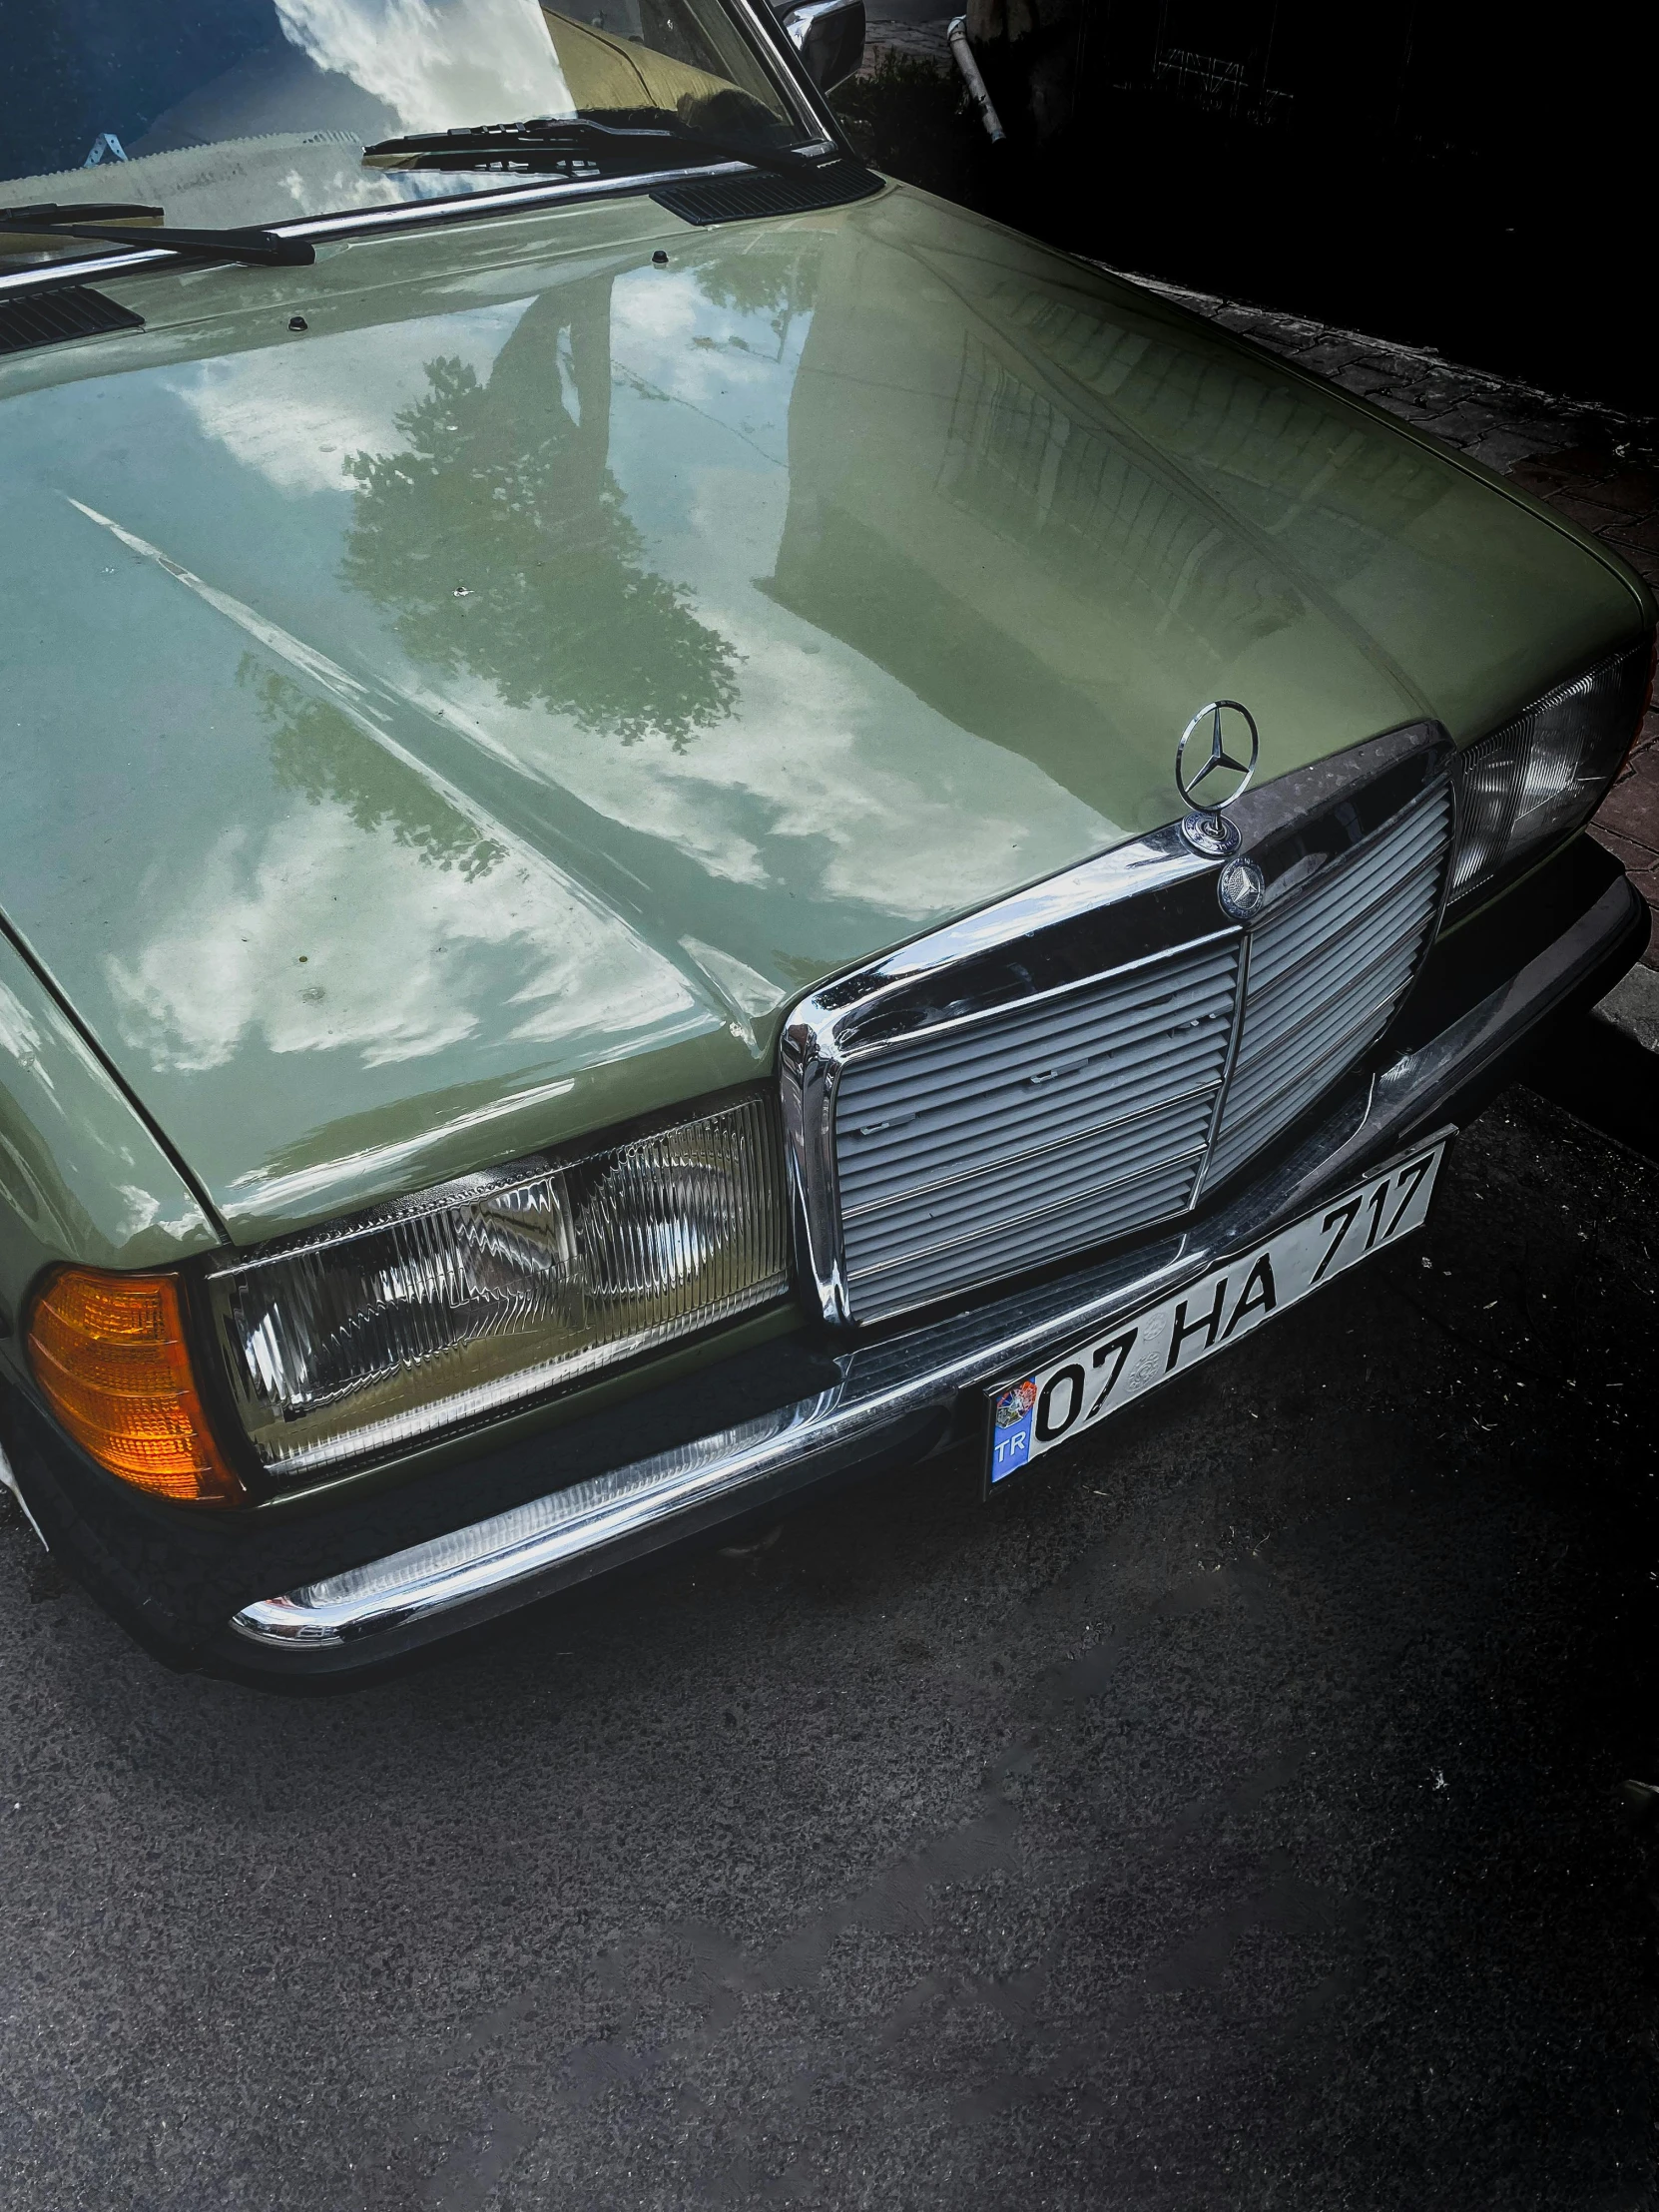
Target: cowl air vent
(705, 200)
(55, 317)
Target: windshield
(240, 112)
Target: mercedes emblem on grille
(1241, 887)
(1219, 778)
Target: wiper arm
(556, 139)
(260, 246)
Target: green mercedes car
(679, 824)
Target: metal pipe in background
(957, 35)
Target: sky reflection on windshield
(436, 63)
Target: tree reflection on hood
(499, 539)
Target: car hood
(469, 720)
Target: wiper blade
(558, 139)
(46, 212)
(258, 246)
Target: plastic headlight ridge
(458, 1304)
(1538, 777)
(111, 1354)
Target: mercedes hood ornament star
(1210, 773)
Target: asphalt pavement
(1233, 1816)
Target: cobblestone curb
(1599, 467)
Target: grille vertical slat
(1308, 991)
(1326, 974)
(981, 1147)
(946, 1210)
(1011, 1114)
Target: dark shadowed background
(1467, 177)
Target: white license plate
(1059, 1401)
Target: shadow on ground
(1230, 1817)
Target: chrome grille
(1324, 974)
(986, 1146)
(993, 1145)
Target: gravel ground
(1233, 1816)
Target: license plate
(1056, 1402)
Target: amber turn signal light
(108, 1352)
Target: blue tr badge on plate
(1014, 1412)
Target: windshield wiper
(47, 213)
(258, 246)
(558, 139)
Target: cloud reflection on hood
(250, 950)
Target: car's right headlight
(463, 1301)
(1538, 777)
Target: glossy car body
(478, 717)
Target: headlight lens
(465, 1300)
(1546, 771)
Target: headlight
(1530, 782)
(467, 1299)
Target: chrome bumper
(884, 1388)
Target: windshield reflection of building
(498, 538)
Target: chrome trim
(1145, 900)
(528, 1540)
(824, 1030)
(1219, 757)
(402, 216)
(410, 1597)
(1019, 1221)
(1272, 1098)
(1366, 913)
(1028, 1152)
(1241, 996)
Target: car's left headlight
(1529, 784)
(463, 1301)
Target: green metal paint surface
(80, 1175)
(472, 720)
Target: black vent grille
(53, 318)
(704, 200)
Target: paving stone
(1634, 1006)
(1633, 492)
(1502, 448)
(1330, 359)
(1631, 809)
(1425, 418)
(1405, 393)
(1466, 423)
(1643, 534)
(1552, 472)
(1362, 377)
(1589, 513)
